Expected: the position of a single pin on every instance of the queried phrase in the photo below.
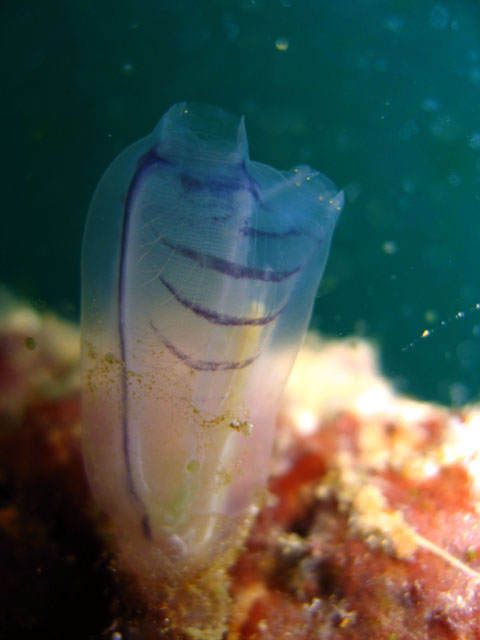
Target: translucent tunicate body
(199, 273)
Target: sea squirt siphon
(199, 273)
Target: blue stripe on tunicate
(219, 187)
(251, 232)
(205, 365)
(214, 316)
(145, 163)
(192, 183)
(232, 269)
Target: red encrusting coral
(358, 544)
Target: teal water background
(381, 96)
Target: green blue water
(382, 96)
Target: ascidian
(199, 273)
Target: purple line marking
(204, 365)
(258, 233)
(231, 269)
(190, 184)
(219, 318)
(145, 163)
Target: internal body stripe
(219, 318)
(232, 269)
(205, 365)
